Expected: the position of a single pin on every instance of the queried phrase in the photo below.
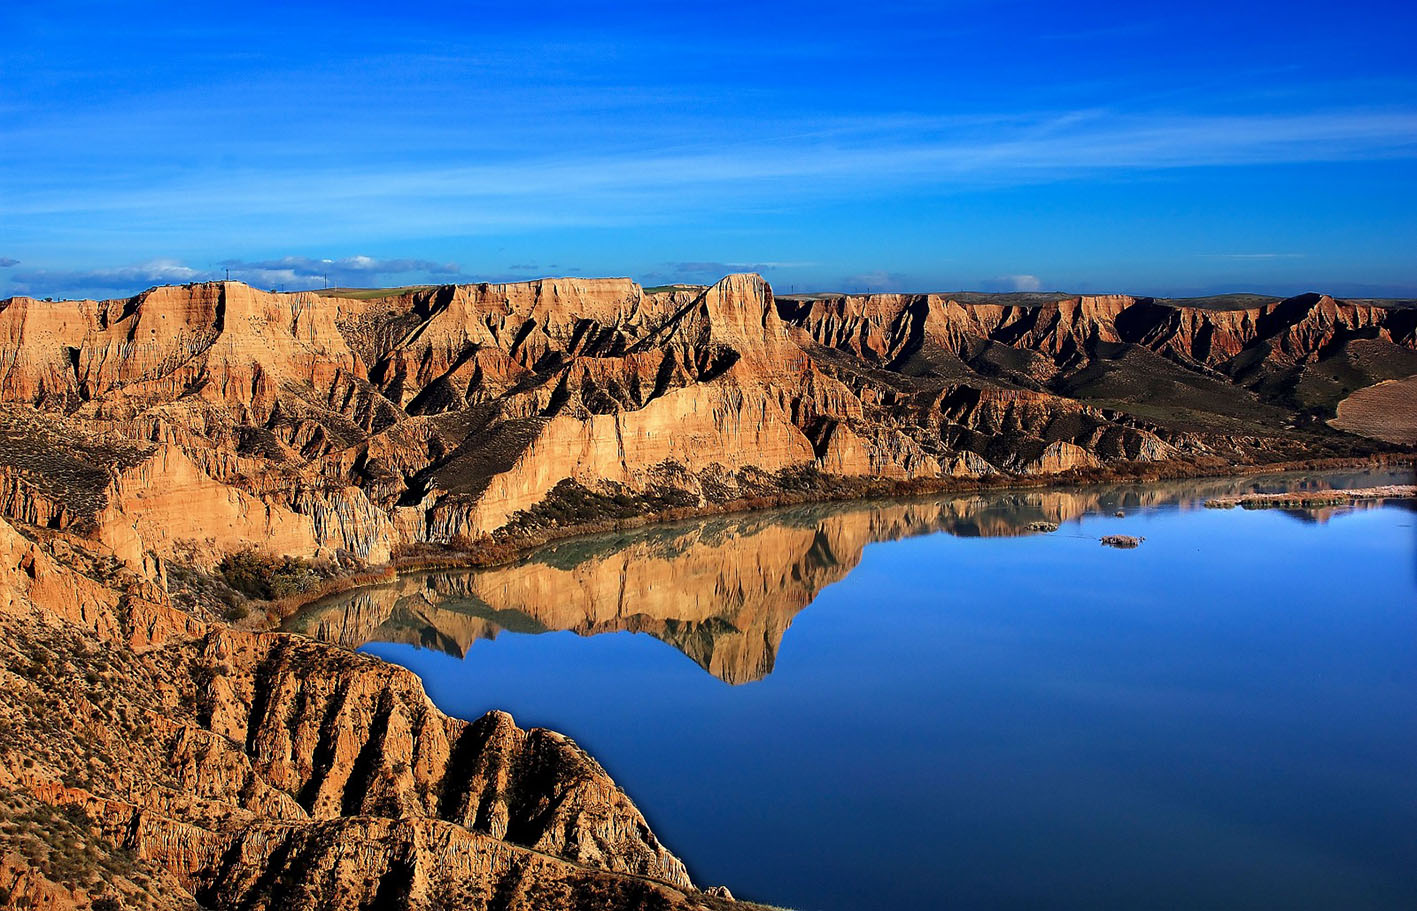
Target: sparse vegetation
(1313, 499)
(268, 578)
(63, 845)
(366, 294)
(572, 504)
(681, 286)
(204, 594)
(1386, 410)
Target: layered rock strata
(161, 759)
(200, 417)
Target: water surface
(933, 703)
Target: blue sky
(1170, 148)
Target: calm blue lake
(941, 704)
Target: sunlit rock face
(213, 415)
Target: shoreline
(502, 548)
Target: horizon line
(1013, 293)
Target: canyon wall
(163, 758)
(211, 417)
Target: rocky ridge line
(211, 415)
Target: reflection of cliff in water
(722, 590)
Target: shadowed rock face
(723, 591)
(212, 415)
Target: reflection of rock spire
(723, 591)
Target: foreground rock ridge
(161, 761)
(159, 750)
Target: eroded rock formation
(253, 770)
(162, 758)
(198, 417)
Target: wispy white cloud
(818, 160)
(304, 272)
(1013, 283)
(1254, 256)
(153, 272)
(288, 273)
(877, 280)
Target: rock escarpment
(253, 770)
(201, 416)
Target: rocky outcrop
(190, 420)
(892, 328)
(1059, 457)
(253, 770)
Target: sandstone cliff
(162, 759)
(189, 421)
